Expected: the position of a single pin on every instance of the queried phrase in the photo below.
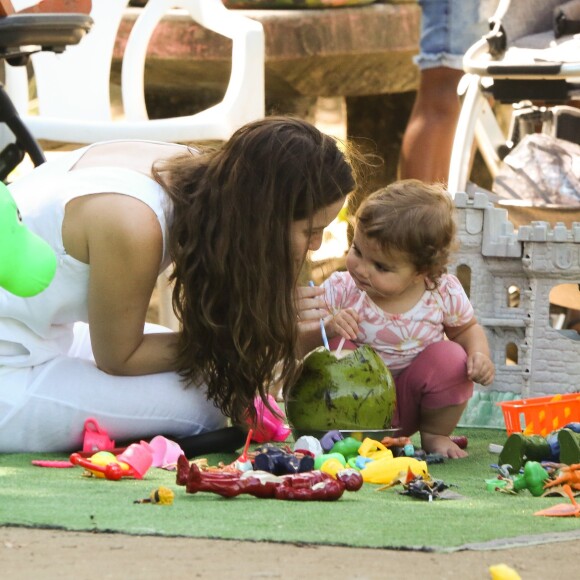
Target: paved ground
(31, 553)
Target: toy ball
(356, 391)
(27, 262)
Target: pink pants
(436, 378)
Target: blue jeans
(449, 28)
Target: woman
(237, 224)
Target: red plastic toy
(133, 462)
(312, 485)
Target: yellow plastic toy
(503, 572)
(374, 450)
(386, 470)
(332, 467)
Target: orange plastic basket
(540, 415)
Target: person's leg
(428, 138)
(448, 29)
(431, 395)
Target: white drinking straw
(322, 329)
(356, 307)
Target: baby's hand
(343, 323)
(480, 369)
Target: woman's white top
(35, 330)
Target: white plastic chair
(73, 88)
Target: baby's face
(380, 274)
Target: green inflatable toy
(355, 392)
(27, 262)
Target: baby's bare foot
(441, 444)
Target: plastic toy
(280, 462)
(561, 446)
(387, 470)
(329, 439)
(161, 496)
(134, 462)
(568, 475)
(425, 488)
(348, 447)
(503, 572)
(374, 450)
(27, 262)
(403, 442)
(332, 467)
(243, 462)
(321, 459)
(165, 452)
(310, 444)
(460, 440)
(267, 426)
(533, 479)
(95, 438)
(359, 462)
(309, 486)
(563, 509)
(540, 415)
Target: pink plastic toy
(133, 462)
(165, 452)
(267, 426)
(95, 438)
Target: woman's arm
(312, 307)
(125, 245)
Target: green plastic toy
(321, 459)
(27, 262)
(533, 479)
(348, 447)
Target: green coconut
(354, 392)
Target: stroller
(532, 66)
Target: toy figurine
(309, 486)
(279, 461)
(568, 475)
(561, 446)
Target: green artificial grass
(62, 498)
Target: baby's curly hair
(415, 218)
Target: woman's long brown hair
(235, 273)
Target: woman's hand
(311, 308)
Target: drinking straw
(356, 307)
(322, 329)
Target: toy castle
(508, 276)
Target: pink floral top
(399, 338)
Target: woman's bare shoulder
(136, 155)
(110, 220)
